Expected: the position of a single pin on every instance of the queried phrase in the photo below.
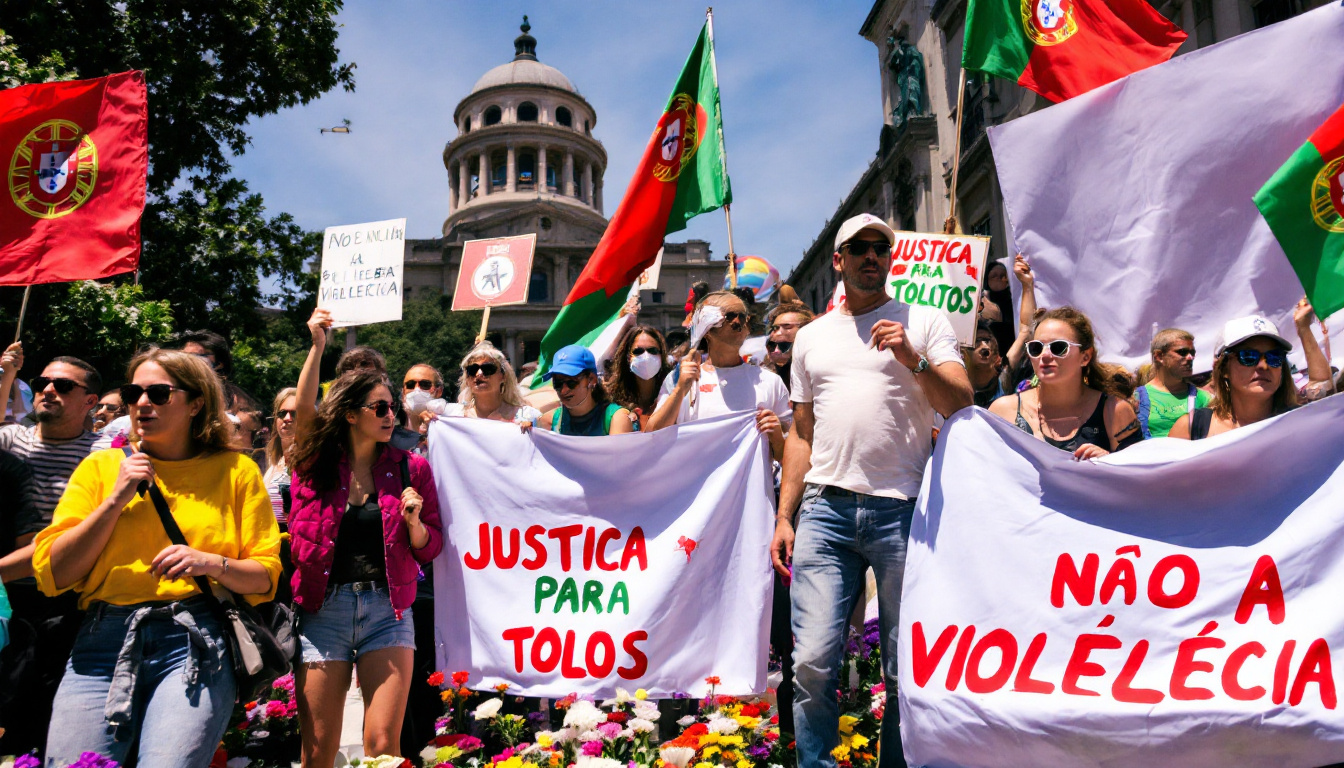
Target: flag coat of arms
(76, 158)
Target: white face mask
(416, 400)
(646, 366)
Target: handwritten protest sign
(603, 569)
(362, 272)
(494, 272)
(941, 271)
(1172, 604)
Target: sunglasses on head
(63, 386)
(159, 394)
(779, 346)
(637, 351)
(489, 369)
(562, 383)
(425, 384)
(880, 249)
(380, 408)
(1058, 347)
(1251, 357)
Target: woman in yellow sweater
(150, 667)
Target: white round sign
(492, 277)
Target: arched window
(466, 124)
(563, 117)
(527, 169)
(499, 170)
(527, 112)
(538, 289)
(493, 115)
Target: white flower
(640, 725)
(647, 710)
(685, 721)
(585, 761)
(724, 725)
(430, 754)
(583, 715)
(590, 736)
(488, 709)
(677, 756)
(565, 735)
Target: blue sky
(799, 87)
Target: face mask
(646, 366)
(417, 400)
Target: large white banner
(1133, 201)
(580, 564)
(1175, 604)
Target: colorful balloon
(757, 274)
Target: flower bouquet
(265, 731)
(728, 732)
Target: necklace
(1041, 419)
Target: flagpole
(950, 226)
(23, 310)
(485, 322)
(723, 151)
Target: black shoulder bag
(262, 640)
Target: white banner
(362, 272)
(580, 564)
(943, 272)
(1175, 604)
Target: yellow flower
(750, 723)
(710, 751)
(512, 762)
(446, 754)
(743, 764)
(543, 740)
(847, 723)
(709, 738)
(641, 694)
(703, 764)
(840, 753)
(447, 696)
(731, 741)
(858, 742)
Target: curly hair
(317, 452)
(621, 383)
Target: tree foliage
(429, 332)
(104, 324)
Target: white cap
(857, 224)
(1236, 331)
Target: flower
(488, 709)
(460, 678)
(436, 679)
(719, 724)
(847, 723)
(468, 744)
(585, 761)
(858, 742)
(685, 721)
(713, 680)
(382, 761)
(647, 710)
(617, 717)
(587, 736)
(840, 753)
(275, 709)
(640, 725)
(502, 687)
(583, 715)
(27, 761)
(609, 730)
(447, 696)
(677, 756)
(641, 695)
(592, 748)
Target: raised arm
(310, 378)
(1027, 310)
(1318, 366)
(11, 361)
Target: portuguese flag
(1304, 204)
(1061, 48)
(681, 175)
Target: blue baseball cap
(571, 361)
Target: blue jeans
(839, 536)
(156, 676)
(354, 620)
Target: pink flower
(275, 709)
(593, 748)
(468, 744)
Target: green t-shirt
(1164, 408)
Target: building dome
(524, 72)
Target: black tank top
(1093, 431)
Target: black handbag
(263, 640)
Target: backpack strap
(1145, 405)
(1200, 421)
(1191, 400)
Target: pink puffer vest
(315, 518)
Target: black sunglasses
(380, 408)
(489, 369)
(562, 383)
(779, 346)
(63, 386)
(285, 413)
(637, 351)
(862, 247)
(1184, 351)
(735, 317)
(1251, 358)
(159, 394)
(425, 384)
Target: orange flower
(447, 696)
(502, 687)
(712, 680)
(463, 692)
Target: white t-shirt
(744, 387)
(873, 430)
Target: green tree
(105, 324)
(429, 332)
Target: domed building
(525, 161)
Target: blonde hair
(511, 394)
(275, 451)
(210, 428)
(1283, 400)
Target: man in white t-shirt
(724, 383)
(867, 380)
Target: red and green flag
(1303, 202)
(681, 175)
(1061, 48)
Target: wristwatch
(922, 367)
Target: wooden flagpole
(23, 310)
(950, 225)
(485, 323)
(723, 153)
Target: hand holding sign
(318, 325)
(940, 271)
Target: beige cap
(857, 224)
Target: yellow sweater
(218, 501)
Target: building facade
(909, 181)
(525, 161)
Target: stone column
(541, 168)
(463, 182)
(588, 183)
(511, 183)
(597, 196)
(483, 180)
(511, 347)
(452, 189)
(561, 282)
(567, 183)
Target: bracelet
(224, 561)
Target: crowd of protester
(326, 502)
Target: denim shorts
(354, 620)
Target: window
(493, 115)
(527, 112)
(551, 175)
(499, 170)
(983, 228)
(563, 117)
(587, 128)
(527, 169)
(466, 124)
(538, 288)
(658, 297)
(1272, 11)
(1204, 23)
(475, 184)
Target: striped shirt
(51, 462)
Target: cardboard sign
(361, 272)
(940, 271)
(494, 272)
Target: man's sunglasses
(63, 386)
(861, 248)
(637, 351)
(1184, 352)
(1251, 358)
(380, 408)
(779, 346)
(159, 394)
(1058, 347)
(489, 369)
(562, 383)
(425, 384)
